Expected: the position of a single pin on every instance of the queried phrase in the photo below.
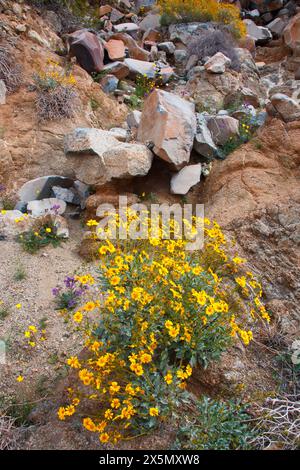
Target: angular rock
(40, 188)
(118, 69)
(134, 118)
(151, 21)
(109, 83)
(242, 96)
(119, 133)
(129, 28)
(288, 108)
(116, 15)
(66, 195)
(104, 10)
(259, 33)
(134, 50)
(222, 128)
(167, 47)
(180, 56)
(277, 26)
(3, 91)
(115, 49)
(169, 123)
(217, 63)
(291, 34)
(203, 143)
(126, 161)
(139, 67)
(46, 206)
(13, 223)
(88, 141)
(87, 49)
(34, 36)
(185, 179)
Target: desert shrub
(10, 72)
(209, 43)
(178, 11)
(45, 233)
(8, 430)
(215, 425)
(56, 94)
(155, 311)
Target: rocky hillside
(106, 98)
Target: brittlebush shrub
(176, 11)
(155, 311)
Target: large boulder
(115, 49)
(185, 179)
(87, 49)
(169, 123)
(41, 188)
(291, 33)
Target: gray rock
(61, 226)
(150, 21)
(66, 195)
(88, 141)
(129, 28)
(134, 118)
(167, 47)
(180, 56)
(118, 69)
(192, 62)
(127, 160)
(3, 91)
(259, 33)
(120, 134)
(83, 191)
(140, 67)
(40, 188)
(185, 179)
(46, 206)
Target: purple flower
(69, 282)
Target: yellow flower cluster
(163, 309)
(33, 335)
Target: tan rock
(291, 34)
(104, 10)
(168, 122)
(135, 51)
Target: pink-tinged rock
(223, 128)
(14, 222)
(288, 109)
(169, 123)
(104, 10)
(185, 179)
(115, 49)
(134, 50)
(217, 63)
(248, 42)
(87, 49)
(118, 69)
(291, 34)
(139, 67)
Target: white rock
(40, 188)
(259, 33)
(217, 63)
(126, 28)
(134, 118)
(13, 223)
(119, 133)
(185, 179)
(46, 206)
